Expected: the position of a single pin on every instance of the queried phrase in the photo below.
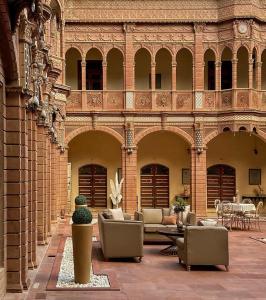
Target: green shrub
(82, 216)
(80, 200)
(179, 204)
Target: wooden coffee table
(172, 234)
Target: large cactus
(116, 190)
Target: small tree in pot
(179, 205)
(80, 201)
(82, 244)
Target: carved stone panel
(143, 100)
(163, 101)
(243, 99)
(74, 101)
(184, 101)
(115, 100)
(209, 100)
(227, 100)
(94, 100)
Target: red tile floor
(161, 277)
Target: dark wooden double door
(154, 186)
(221, 184)
(93, 185)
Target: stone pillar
(174, 76)
(250, 73)
(83, 75)
(34, 191)
(48, 168)
(63, 183)
(58, 183)
(53, 183)
(30, 190)
(41, 196)
(198, 182)
(129, 56)
(104, 63)
(218, 66)
(129, 173)
(258, 75)
(153, 76)
(16, 176)
(234, 73)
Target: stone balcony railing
(163, 100)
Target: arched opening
(142, 69)
(93, 185)
(242, 68)
(174, 155)
(154, 189)
(263, 70)
(184, 70)
(255, 61)
(226, 69)
(91, 166)
(94, 70)
(221, 184)
(209, 70)
(115, 70)
(73, 69)
(241, 150)
(163, 74)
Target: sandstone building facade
(169, 94)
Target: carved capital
(199, 27)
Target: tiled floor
(160, 277)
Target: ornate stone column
(83, 75)
(258, 75)
(174, 76)
(104, 64)
(234, 72)
(218, 66)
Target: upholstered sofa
(152, 222)
(120, 238)
(204, 245)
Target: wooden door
(93, 185)
(154, 186)
(220, 184)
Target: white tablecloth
(239, 206)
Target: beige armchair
(120, 238)
(204, 245)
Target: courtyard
(158, 276)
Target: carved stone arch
(244, 45)
(119, 48)
(211, 136)
(213, 48)
(162, 46)
(59, 5)
(178, 131)
(78, 48)
(93, 46)
(140, 46)
(185, 47)
(258, 51)
(221, 50)
(83, 129)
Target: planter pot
(82, 244)
(81, 205)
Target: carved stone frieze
(227, 99)
(183, 101)
(94, 37)
(94, 100)
(143, 100)
(115, 100)
(243, 99)
(74, 100)
(163, 100)
(209, 100)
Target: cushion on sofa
(152, 215)
(153, 227)
(169, 220)
(117, 213)
(107, 215)
(166, 212)
(185, 214)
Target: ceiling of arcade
(163, 11)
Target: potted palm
(179, 205)
(80, 201)
(82, 244)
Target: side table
(172, 234)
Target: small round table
(172, 234)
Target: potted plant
(80, 201)
(179, 205)
(82, 244)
